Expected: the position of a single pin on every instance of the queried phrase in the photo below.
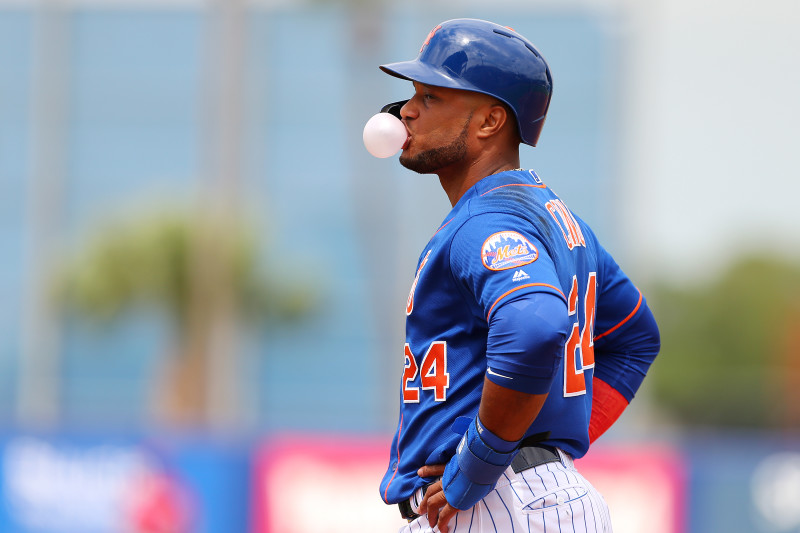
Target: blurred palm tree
(204, 273)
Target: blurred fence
(317, 482)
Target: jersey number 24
(433, 373)
(579, 350)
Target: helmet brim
(423, 73)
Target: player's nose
(409, 111)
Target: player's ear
(494, 118)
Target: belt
(406, 510)
(535, 455)
(529, 456)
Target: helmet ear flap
(394, 108)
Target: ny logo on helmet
(429, 37)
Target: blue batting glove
(480, 460)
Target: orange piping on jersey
(443, 225)
(522, 287)
(612, 330)
(542, 186)
(397, 467)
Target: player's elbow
(650, 335)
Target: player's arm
(508, 413)
(626, 341)
(530, 332)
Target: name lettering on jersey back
(410, 301)
(566, 221)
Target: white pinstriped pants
(550, 498)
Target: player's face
(438, 121)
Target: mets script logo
(507, 249)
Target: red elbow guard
(607, 406)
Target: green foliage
(154, 261)
(726, 348)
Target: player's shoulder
(507, 207)
(523, 197)
(519, 193)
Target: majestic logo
(520, 275)
(507, 249)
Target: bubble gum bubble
(384, 135)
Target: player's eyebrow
(425, 86)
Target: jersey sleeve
(526, 342)
(497, 257)
(626, 339)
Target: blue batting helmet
(476, 55)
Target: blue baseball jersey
(508, 236)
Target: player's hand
(434, 504)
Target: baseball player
(524, 339)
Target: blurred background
(202, 270)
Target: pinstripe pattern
(551, 498)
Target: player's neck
(456, 180)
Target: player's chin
(414, 163)
(407, 159)
(424, 162)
